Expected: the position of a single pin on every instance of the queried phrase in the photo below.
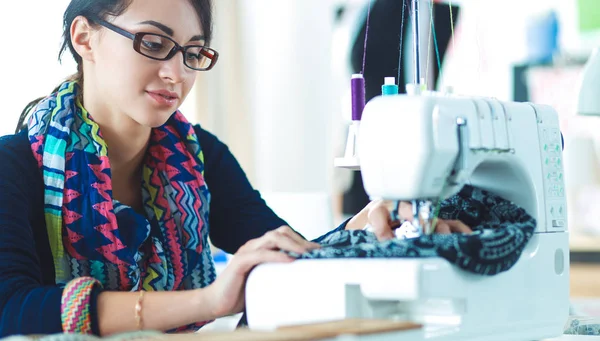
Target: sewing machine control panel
(552, 168)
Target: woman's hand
(227, 292)
(377, 214)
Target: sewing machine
(427, 146)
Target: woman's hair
(91, 9)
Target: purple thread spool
(358, 96)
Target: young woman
(108, 195)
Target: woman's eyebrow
(197, 38)
(162, 27)
(169, 31)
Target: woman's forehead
(179, 15)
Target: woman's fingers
(244, 263)
(458, 226)
(279, 240)
(442, 227)
(286, 230)
(452, 226)
(406, 211)
(379, 219)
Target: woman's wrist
(357, 222)
(361, 219)
(206, 302)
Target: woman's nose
(174, 69)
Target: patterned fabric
(75, 305)
(583, 326)
(93, 235)
(501, 231)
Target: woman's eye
(152, 46)
(193, 56)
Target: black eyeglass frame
(138, 38)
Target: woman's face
(148, 91)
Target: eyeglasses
(160, 47)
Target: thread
(364, 61)
(401, 40)
(429, 44)
(389, 87)
(435, 43)
(357, 85)
(437, 50)
(416, 42)
(452, 26)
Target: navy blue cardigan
(29, 297)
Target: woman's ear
(81, 38)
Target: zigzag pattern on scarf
(167, 249)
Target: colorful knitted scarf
(90, 233)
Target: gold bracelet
(138, 311)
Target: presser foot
(422, 221)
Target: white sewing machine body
(424, 147)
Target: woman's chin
(154, 121)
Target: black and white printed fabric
(501, 231)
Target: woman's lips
(163, 99)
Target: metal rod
(416, 43)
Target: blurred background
(279, 96)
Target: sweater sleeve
(237, 211)
(27, 306)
